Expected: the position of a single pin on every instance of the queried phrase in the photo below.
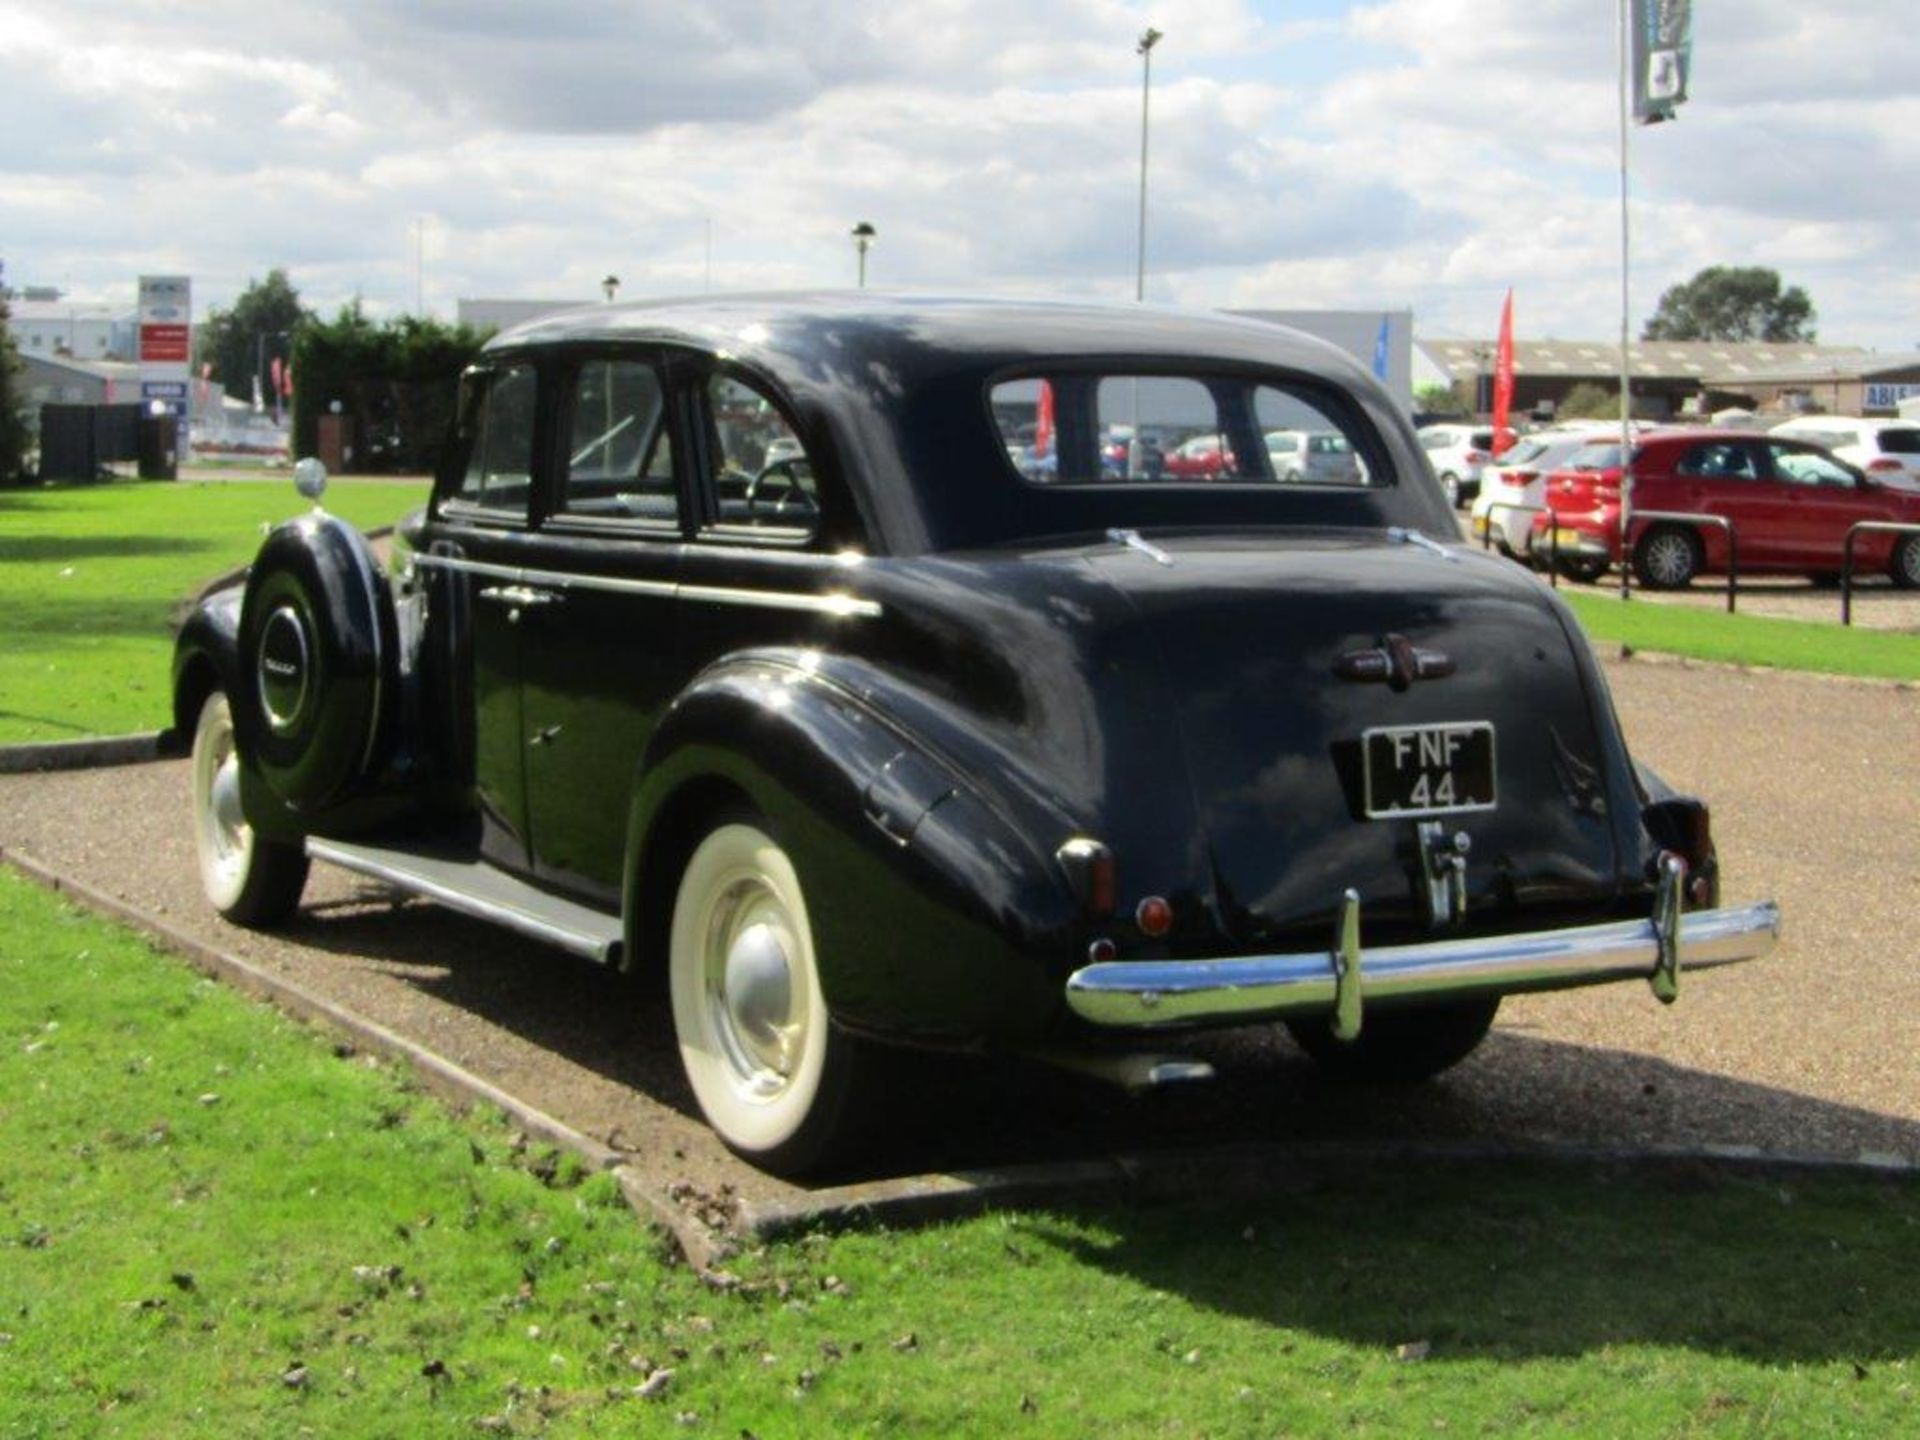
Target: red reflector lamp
(1154, 916)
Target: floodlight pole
(863, 236)
(1149, 38)
(1626, 366)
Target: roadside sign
(166, 345)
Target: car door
(1728, 478)
(1823, 501)
(476, 543)
(602, 653)
(779, 544)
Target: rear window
(1903, 441)
(1091, 428)
(1483, 439)
(1595, 457)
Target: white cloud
(1424, 152)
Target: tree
(1438, 399)
(13, 425)
(1589, 401)
(1732, 302)
(395, 382)
(241, 342)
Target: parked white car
(1519, 479)
(1887, 450)
(1457, 453)
(1317, 457)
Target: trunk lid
(1249, 633)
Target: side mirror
(310, 479)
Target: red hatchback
(1790, 504)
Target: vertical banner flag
(1043, 422)
(1380, 351)
(1503, 379)
(1661, 53)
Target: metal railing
(1553, 533)
(1876, 527)
(1688, 517)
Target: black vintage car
(849, 662)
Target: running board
(473, 887)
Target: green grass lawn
(1747, 639)
(211, 1223)
(90, 576)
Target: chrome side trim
(836, 604)
(1157, 993)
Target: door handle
(521, 597)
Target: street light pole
(1149, 38)
(863, 236)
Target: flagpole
(1626, 367)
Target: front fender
(206, 657)
(933, 917)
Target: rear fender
(933, 917)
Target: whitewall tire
(771, 1074)
(248, 879)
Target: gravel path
(1813, 783)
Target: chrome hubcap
(230, 822)
(1669, 559)
(759, 1014)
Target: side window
(1808, 467)
(763, 478)
(1717, 462)
(619, 451)
(499, 471)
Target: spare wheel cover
(316, 648)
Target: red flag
(1503, 379)
(1043, 422)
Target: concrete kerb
(708, 1230)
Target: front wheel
(1400, 1047)
(250, 880)
(1904, 566)
(773, 1077)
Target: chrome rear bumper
(1337, 982)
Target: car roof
(792, 335)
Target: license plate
(1428, 769)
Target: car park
(1457, 453)
(1885, 450)
(1789, 504)
(735, 650)
(1316, 456)
(1513, 489)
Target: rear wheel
(773, 1076)
(251, 880)
(1904, 567)
(1400, 1047)
(1450, 483)
(1667, 558)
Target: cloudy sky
(1423, 153)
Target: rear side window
(499, 471)
(1079, 428)
(1904, 440)
(619, 451)
(763, 477)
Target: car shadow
(957, 1113)
(1515, 1261)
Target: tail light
(1885, 465)
(1475, 457)
(1522, 477)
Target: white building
(73, 329)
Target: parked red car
(1791, 505)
